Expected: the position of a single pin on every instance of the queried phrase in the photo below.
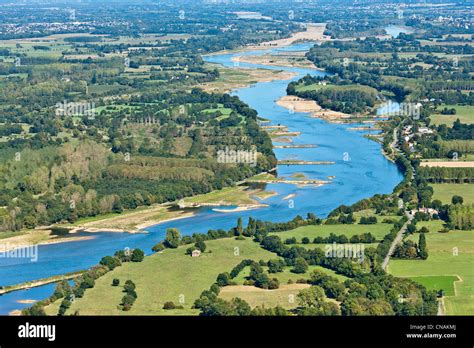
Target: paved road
(397, 240)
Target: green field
(350, 87)
(379, 230)
(330, 246)
(228, 195)
(465, 113)
(445, 283)
(168, 276)
(450, 256)
(444, 192)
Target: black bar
(243, 331)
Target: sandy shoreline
(243, 208)
(26, 240)
(297, 104)
(252, 76)
(292, 195)
(314, 32)
(27, 301)
(153, 223)
(277, 60)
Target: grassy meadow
(167, 276)
(379, 230)
(465, 113)
(449, 267)
(444, 192)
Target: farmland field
(450, 257)
(438, 282)
(444, 192)
(465, 113)
(379, 230)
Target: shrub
(200, 245)
(273, 284)
(423, 230)
(59, 231)
(158, 247)
(223, 279)
(111, 262)
(301, 266)
(138, 255)
(169, 305)
(129, 286)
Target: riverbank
(297, 104)
(36, 237)
(239, 77)
(293, 59)
(137, 221)
(39, 282)
(314, 32)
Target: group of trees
(461, 217)
(446, 174)
(106, 185)
(184, 125)
(459, 131)
(349, 63)
(333, 238)
(130, 295)
(345, 98)
(410, 250)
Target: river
(395, 30)
(360, 171)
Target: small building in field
(196, 253)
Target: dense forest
(97, 122)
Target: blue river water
(360, 171)
(395, 30)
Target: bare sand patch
(314, 32)
(291, 60)
(36, 237)
(298, 104)
(449, 164)
(134, 222)
(229, 82)
(242, 208)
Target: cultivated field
(450, 258)
(465, 113)
(379, 230)
(444, 192)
